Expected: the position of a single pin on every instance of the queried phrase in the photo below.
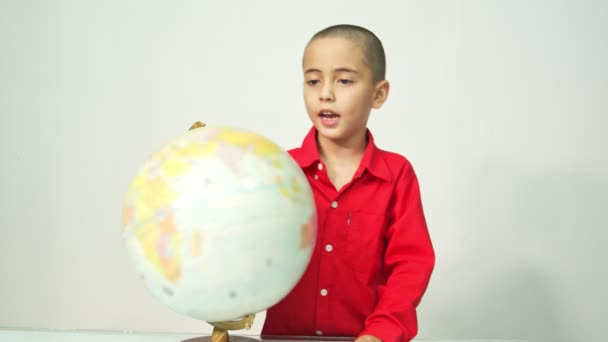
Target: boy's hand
(368, 338)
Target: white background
(501, 106)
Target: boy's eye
(312, 82)
(345, 81)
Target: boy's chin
(327, 131)
(339, 135)
(334, 134)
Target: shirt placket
(325, 285)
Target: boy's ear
(380, 94)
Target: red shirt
(373, 256)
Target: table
(25, 335)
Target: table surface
(17, 335)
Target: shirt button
(320, 166)
(319, 332)
(316, 177)
(329, 248)
(334, 204)
(324, 292)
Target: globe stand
(220, 331)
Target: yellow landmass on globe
(161, 245)
(174, 167)
(155, 195)
(180, 150)
(128, 214)
(295, 186)
(197, 149)
(291, 190)
(196, 244)
(262, 147)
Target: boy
(373, 257)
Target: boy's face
(339, 90)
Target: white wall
(500, 105)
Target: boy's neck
(347, 151)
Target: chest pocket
(365, 242)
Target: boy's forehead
(334, 52)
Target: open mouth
(328, 115)
(329, 118)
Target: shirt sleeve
(408, 262)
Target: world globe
(220, 223)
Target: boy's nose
(327, 94)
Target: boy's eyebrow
(343, 69)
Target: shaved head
(372, 48)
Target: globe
(220, 223)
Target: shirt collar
(372, 161)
